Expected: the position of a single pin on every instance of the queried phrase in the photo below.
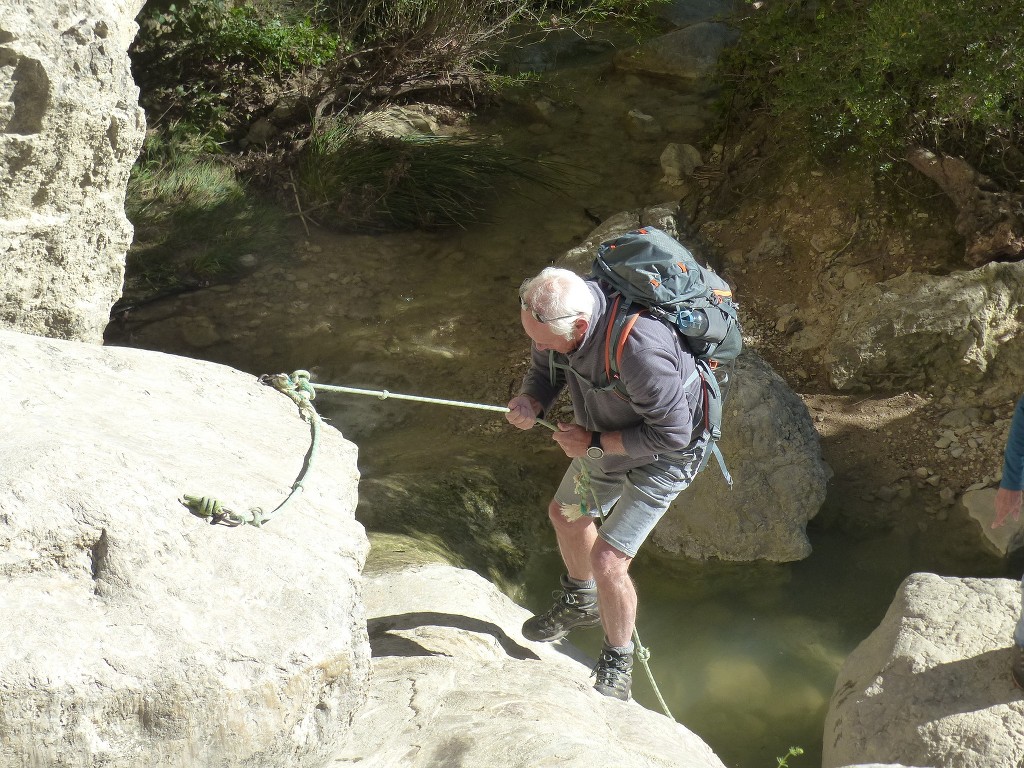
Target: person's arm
(663, 388)
(1011, 487)
(537, 393)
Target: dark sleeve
(664, 389)
(1013, 456)
(537, 382)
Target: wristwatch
(595, 451)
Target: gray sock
(622, 650)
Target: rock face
(931, 685)
(774, 455)
(915, 330)
(135, 633)
(70, 130)
(455, 683)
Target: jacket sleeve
(665, 391)
(538, 380)
(1013, 456)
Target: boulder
(690, 53)
(1007, 538)
(917, 330)
(455, 683)
(134, 632)
(931, 685)
(774, 455)
(70, 131)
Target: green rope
(642, 654)
(383, 394)
(298, 388)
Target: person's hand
(1007, 505)
(522, 411)
(573, 439)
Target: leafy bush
(209, 64)
(872, 77)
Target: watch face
(595, 453)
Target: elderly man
(1008, 501)
(630, 456)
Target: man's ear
(581, 326)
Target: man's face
(545, 339)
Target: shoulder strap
(624, 316)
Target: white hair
(561, 295)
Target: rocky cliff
(70, 130)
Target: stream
(745, 654)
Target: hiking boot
(1017, 668)
(574, 607)
(614, 672)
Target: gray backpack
(649, 271)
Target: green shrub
(872, 78)
(212, 65)
(372, 182)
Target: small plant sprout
(793, 752)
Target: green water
(746, 654)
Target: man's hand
(1007, 505)
(573, 439)
(522, 411)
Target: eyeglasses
(545, 320)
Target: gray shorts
(631, 500)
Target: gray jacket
(663, 414)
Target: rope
(296, 387)
(383, 394)
(641, 653)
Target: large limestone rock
(915, 330)
(70, 130)
(136, 634)
(774, 455)
(455, 683)
(931, 685)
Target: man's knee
(608, 562)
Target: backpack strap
(624, 317)
(712, 405)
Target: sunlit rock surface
(931, 685)
(135, 633)
(70, 130)
(455, 683)
(917, 330)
